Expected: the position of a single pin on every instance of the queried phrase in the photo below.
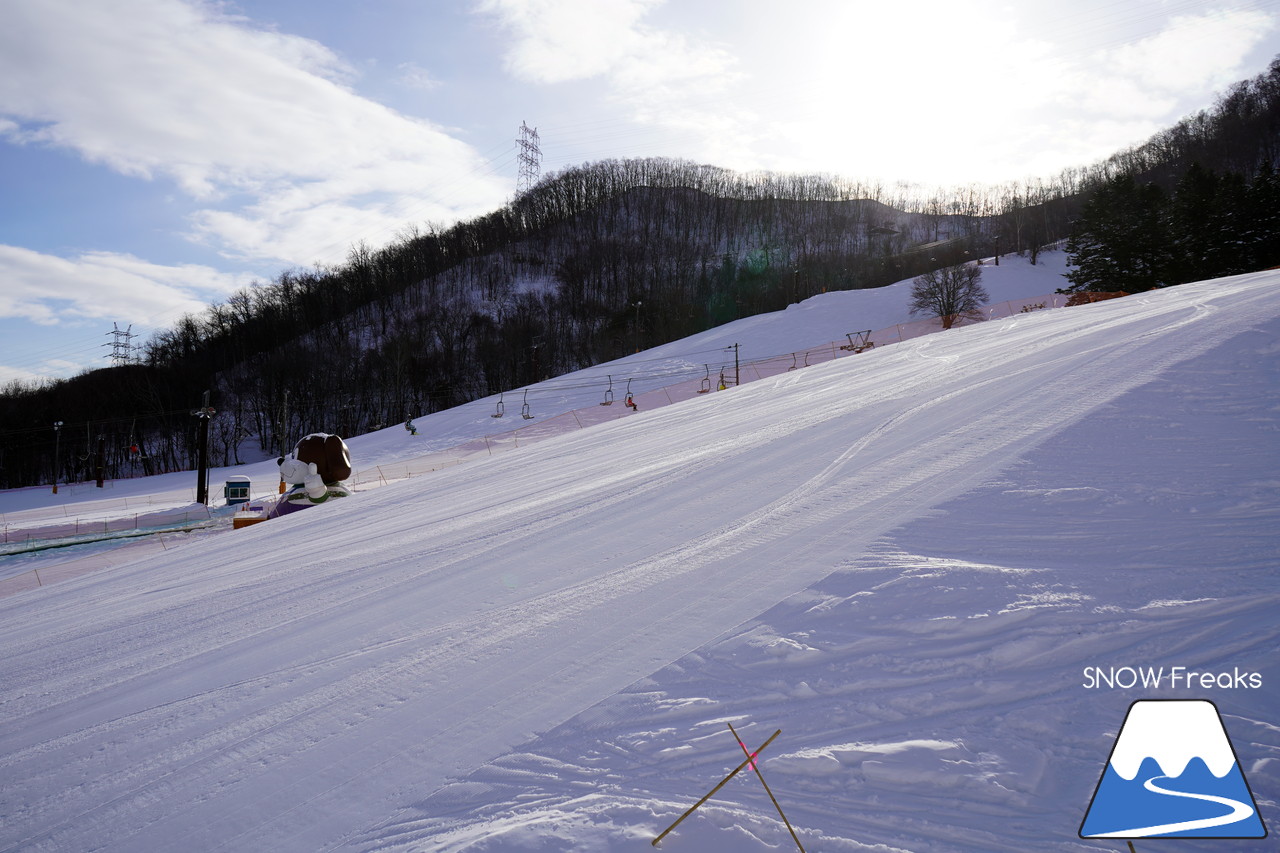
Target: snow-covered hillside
(907, 561)
(813, 323)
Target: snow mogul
(315, 470)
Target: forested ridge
(592, 263)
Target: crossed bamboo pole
(760, 776)
(750, 760)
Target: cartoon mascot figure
(315, 470)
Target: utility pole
(530, 158)
(284, 420)
(204, 413)
(637, 304)
(57, 438)
(102, 459)
(736, 374)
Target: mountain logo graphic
(1172, 773)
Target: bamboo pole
(712, 792)
(760, 775)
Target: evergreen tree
(1234, 228)
(1195, 242)
(1120, 241)
(1262, 203)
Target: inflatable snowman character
(315, 470)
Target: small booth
(236, 490)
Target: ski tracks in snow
(283, 720)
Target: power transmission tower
(121, 348)
(530, 158)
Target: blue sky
(156, 155)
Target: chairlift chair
(608, 394)
(134, 449)
(630, 401)
(858, 341)
(706, 381)
(500, 409)
(524, 412)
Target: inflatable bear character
(316, 468)
(328, 453)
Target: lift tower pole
(204, 413)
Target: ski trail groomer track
(299, 682)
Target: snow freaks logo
(1172, 773)
(1175, 677)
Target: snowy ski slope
(903, 560)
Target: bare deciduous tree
(949, 293)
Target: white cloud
(179, 90)
(26, 377)
(414, 76)
(560, 40)
(555, 41)
(1149, 78)
(934, 92)
(662, 79)
(1194, 53)
(45, 370)
(50, 290)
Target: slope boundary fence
(145, 543)
(82, 526)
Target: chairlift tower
(204, 413)
(530, 158)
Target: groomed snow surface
(904, 560)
